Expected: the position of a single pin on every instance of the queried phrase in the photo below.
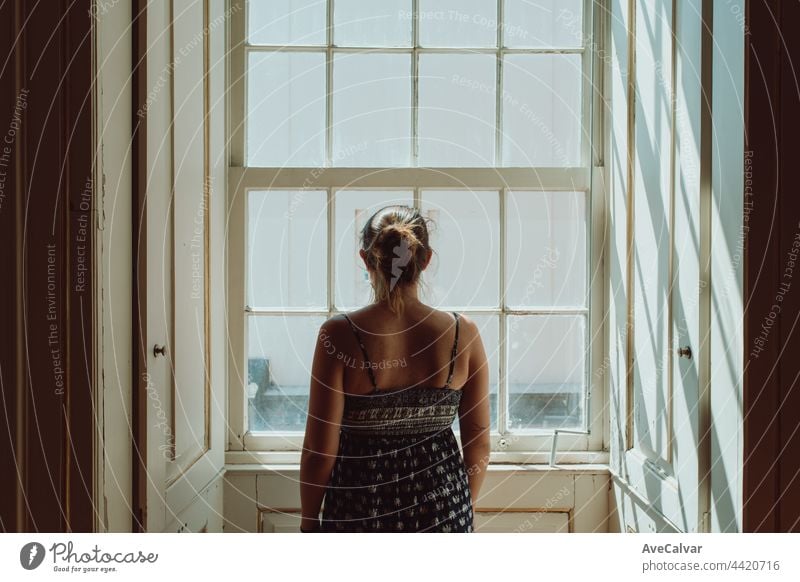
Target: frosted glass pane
(372, 109)
(458, 23)
(286, 109)
(546, 249)
(489, 329)
(465, 238)
(542, 110)
(543, 23)
(352, 210)
(546, 371)
(280, 350)
(457, 109)
(286, 22)
(373, 24)
(286, 250)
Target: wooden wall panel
(176, 453)
(267, 499)
(789, 274)
(9, 293)
(771, 481)
(190, 215)
(79, 170)
(43, 255)
(46, 353)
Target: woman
(387, 382)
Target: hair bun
(403, 231)
(395, 240)
(392, 236)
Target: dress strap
(453, 355)
(367, 363)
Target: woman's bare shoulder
(467, 328)
(334, 326)
(466, 320)
(468, 331)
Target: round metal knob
(685, 352)
(159, 350)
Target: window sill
(284, 468)
(574, 461)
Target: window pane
(352, 210)
(489, 328)
(280, 350)
(543, 23)
(286, 109)
(542, 110)
(546, 363)
(373, 24)
(286, 256)
(458, 23)
(286, 22)
(546, 249)
(465, 237)
(372, 110)
(457, 109)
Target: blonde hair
(395, 240)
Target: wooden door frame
(139, 265)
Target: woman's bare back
(413, 349)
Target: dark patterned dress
(399, 467)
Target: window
(478, 112)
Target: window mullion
(237, 81)
(502, 386)
(331, 252)
(329, 85)
(415, 83)
(267, 48)
(587, 65)
(588, 157)
(531, 178)
(498, 142)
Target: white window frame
(586, 445)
